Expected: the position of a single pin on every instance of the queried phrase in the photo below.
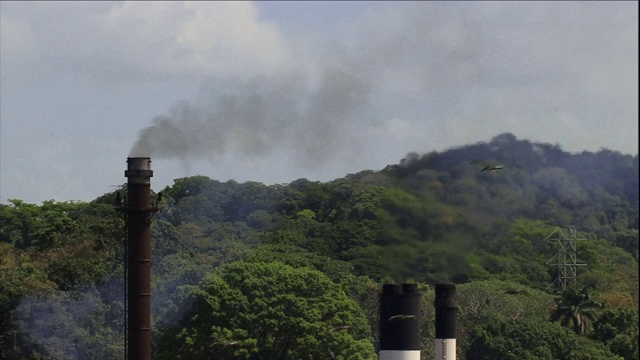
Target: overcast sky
(276, 91)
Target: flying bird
(492, 167)
(401, 317)
(341, 327)
(487, 166)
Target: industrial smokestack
(139, 212)
(445, 303)
(399, 322)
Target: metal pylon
(565, 259)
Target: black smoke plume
(254, 116)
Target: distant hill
(535, 173)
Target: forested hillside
(292, 271)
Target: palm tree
(575, 307)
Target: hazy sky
(276, 91)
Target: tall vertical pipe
(139, 212)
(400, 322)
(445, 304)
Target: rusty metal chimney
(139, 211)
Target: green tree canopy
(252, 310)
(618, 329)
(532, 341)
(576, 307)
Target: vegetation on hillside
(251, 271)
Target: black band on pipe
(400, 317)
(445, 303)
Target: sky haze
(276, 91)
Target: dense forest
(293, 271)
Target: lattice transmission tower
(566, 259)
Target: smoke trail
(60, 325)
(253, 117)
(316, 119)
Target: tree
(618, 329)
(521, 340)
(253, 310)
(629, 240)
(575, 308)
(18, 223)
(493, 301)
(297, 257)
(528, 238)
(59, 325)
(524, 340)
